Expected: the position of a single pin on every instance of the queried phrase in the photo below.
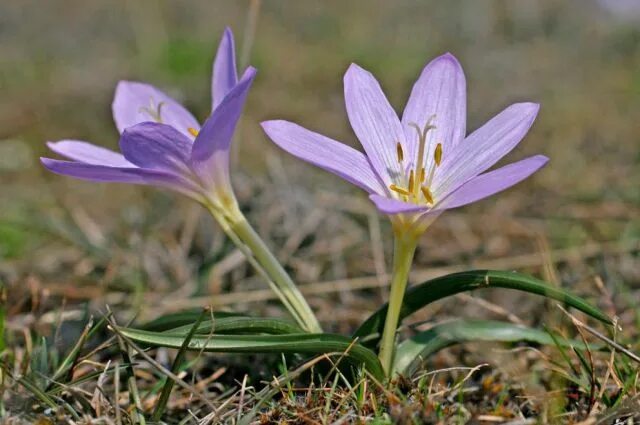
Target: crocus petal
(210, 154)
(374, 121)
(484, 147)
(88, 153)
(102, 173)
(440, 92)
(323, 152)
(394, 206)
(156, 146)
(493, 182)
(138, 102)
(225, 74)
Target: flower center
(415, 187)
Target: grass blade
(3, 312)
(168, 385)
(412, 351)
(436, 289)
(69, 362)
(302, 343)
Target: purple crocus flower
(162, 144)
(422, 164)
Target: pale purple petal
(493, 182)
(210, 154)
(138, 102)
(439, 92)
(156, 146)
(323, 152)
(101, 173)
(484, 147)
(88, 153)
(225, 74)
(374, 121)
(394, 206)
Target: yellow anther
(411, 181)
(427, 194)
(399, 190)
(422, 175)
(192, 131)
(399, 152)
(437, 155)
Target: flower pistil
(154, 111)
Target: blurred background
(80, 245)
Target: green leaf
(411, 352)
(436, 289)
(182, 318)
(301, 343)
(238, 325)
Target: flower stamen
(399, 152)
(411, 181)
(437, 155)
(192, 131)
(400, 190)
(437, 159)
(427, 194)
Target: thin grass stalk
(70, 361)
(168, 385)
(134, 395)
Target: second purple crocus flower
(163, 145)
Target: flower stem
(260, 257)
(403, 250)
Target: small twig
(601, 337)
(241, 398)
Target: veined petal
(484, 147)
(88, 153)
(439, 92)
(156, 146)
(374, 121)
(210, 154)
(394, 206)
(225, 73)
(135, 102)
(133, 175)
(326, 153)
(493, 182)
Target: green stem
(403, 250)
(258, 254)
